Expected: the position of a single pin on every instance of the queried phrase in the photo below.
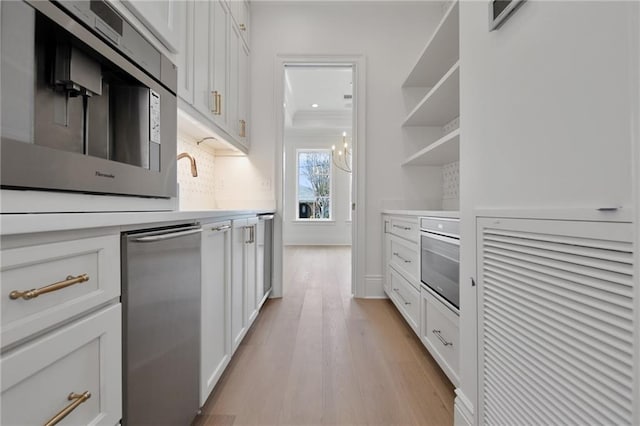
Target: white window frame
(297, 200)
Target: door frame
(358, 247)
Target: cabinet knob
(242, 27)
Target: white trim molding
(358, 64)
(463, 414)
(374, 288)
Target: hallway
(317, 356)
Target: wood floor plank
(318, 356)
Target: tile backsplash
(451, 186)
(196, 193)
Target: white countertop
(422, 213)
(12, 224)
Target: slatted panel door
(555, 305)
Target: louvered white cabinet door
(555, 307)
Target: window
(314, 184)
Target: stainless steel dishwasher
(161, 325)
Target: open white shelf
(443, 151)
(441, 104)
(439, 54)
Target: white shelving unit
(443, 151)
(441, 51)
(441, 104)
(437, 70)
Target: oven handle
(449, 240)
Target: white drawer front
(440, 330)
(405, 258)
(405, 228)
(85, 355)
(35, 267)
(406, 298)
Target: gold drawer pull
(33, 293)
(214, 102)
(77, 400)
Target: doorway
(318, 158)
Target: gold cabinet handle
(214, 102)
(242, 27)
(243, 129)
(33, 293)
(77, 400)
(218, 103)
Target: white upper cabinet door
(240, 13)
(218, 61)
(185, 52)
(243, 95)
(203, 97)
(161, 18)
(233, 118)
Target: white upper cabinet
(162, 18)
(217, 62)
(240, 14)
(243, 95)
(218, 54)
(210, 61)
(235, 46)
(184, 57)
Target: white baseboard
(373, 287)
(463, 414)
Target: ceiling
(325, 86)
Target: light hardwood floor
(318, 356)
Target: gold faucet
(194, 168)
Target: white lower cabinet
(45, 284)
(244, 308)
(429, 317)
(250, 258)
(216, 305)
(76, 366)
(406, 298)
(439, 333)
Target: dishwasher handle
(166, 236)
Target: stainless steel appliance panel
(161, 330)
(441, 225)
(69, 138)
(440, 266)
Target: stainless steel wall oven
(440, 257)
(88, 105)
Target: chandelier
(342, 157)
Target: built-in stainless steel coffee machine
(88, 104)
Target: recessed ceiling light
(314, 105)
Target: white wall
(546, 120)
(334, 232)
(389, 35)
